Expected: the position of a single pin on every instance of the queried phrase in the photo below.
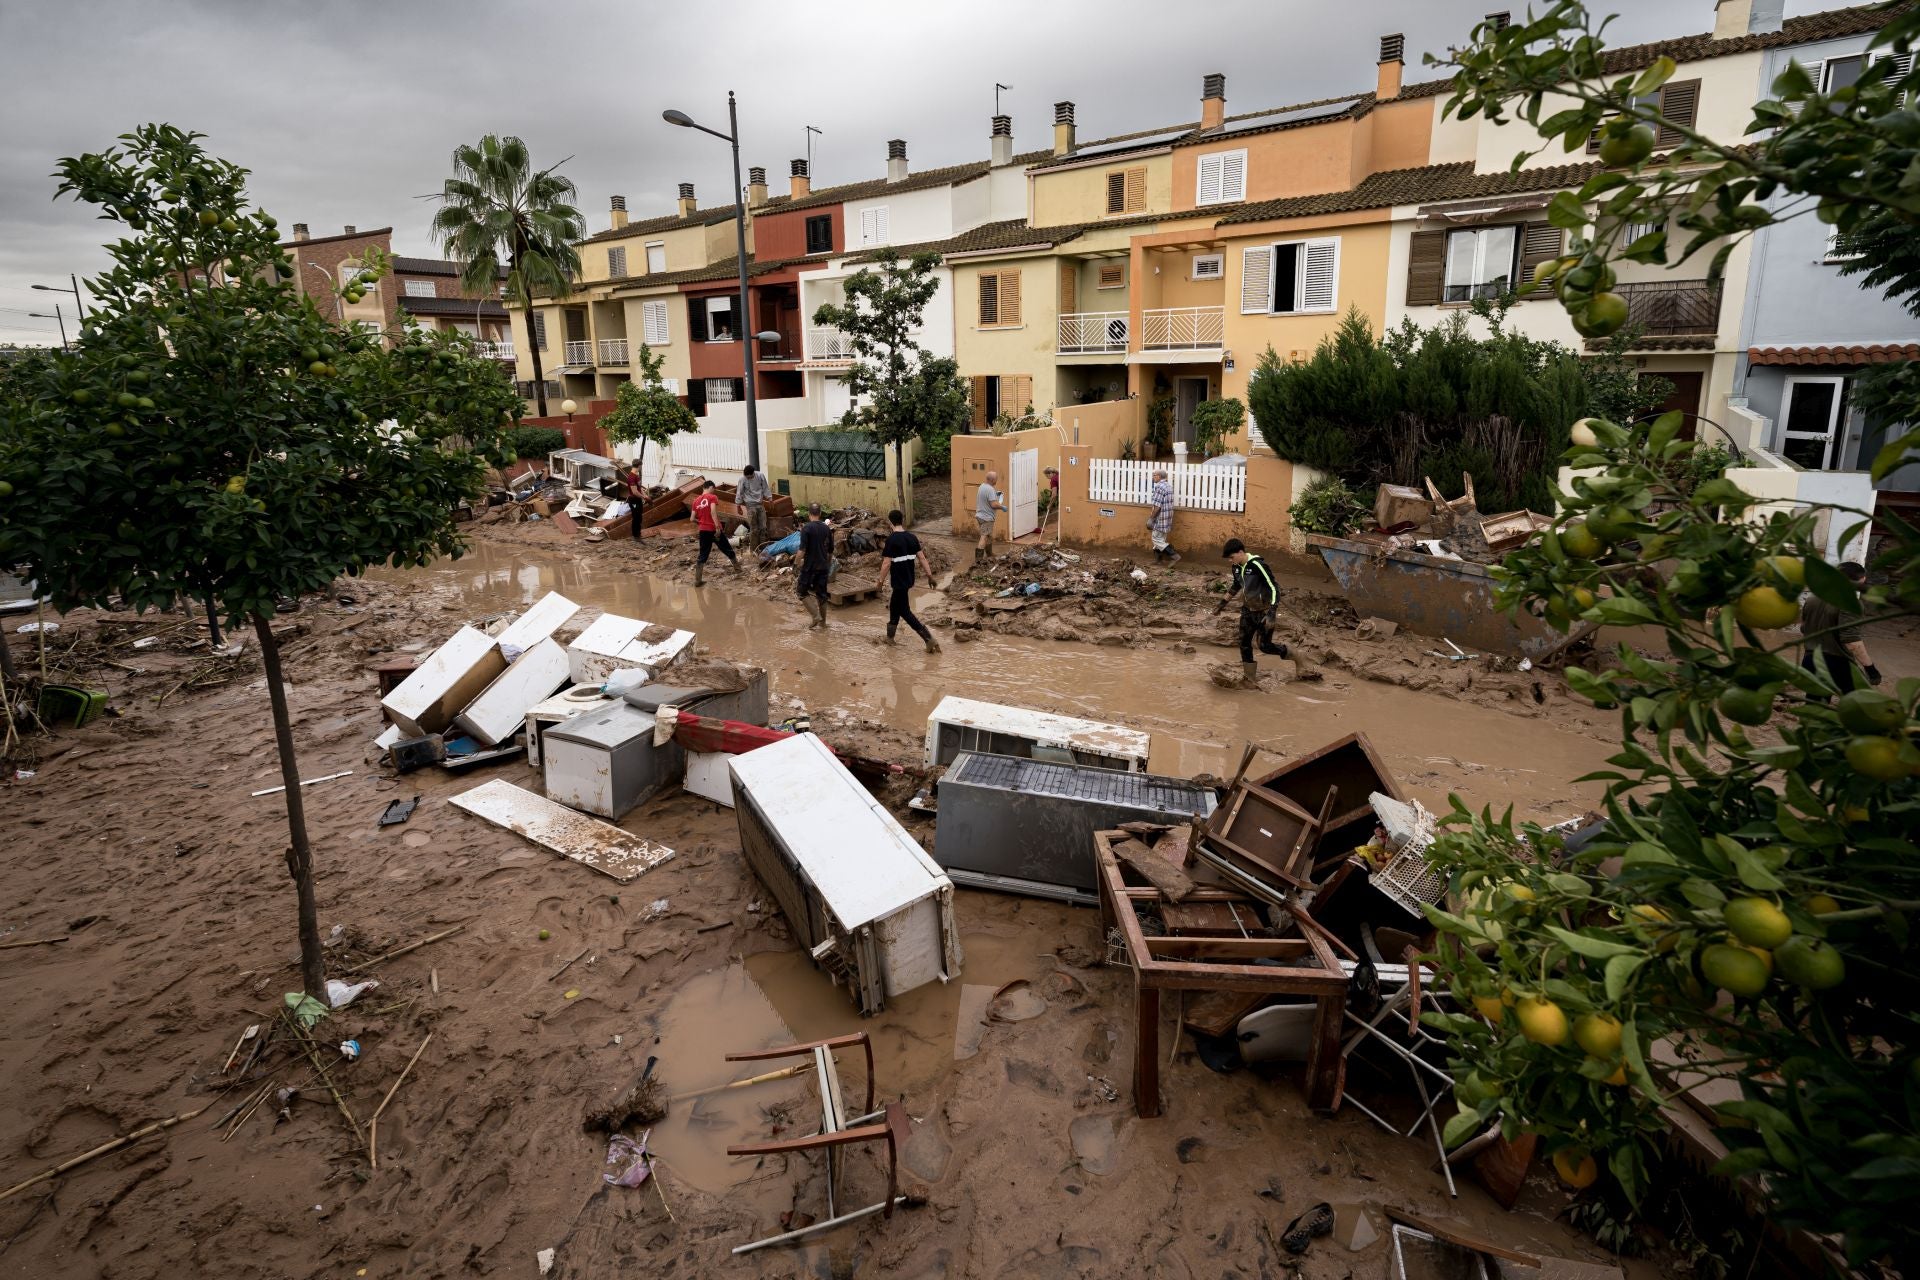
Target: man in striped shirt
(1160, 522)
(1259, 595)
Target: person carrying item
(987, 500)
(1160, 522)
(815, 565)
(1833, 646)
(635, 491)
(1259, 595)
(754, 493)
(898, 558)
(706, 520)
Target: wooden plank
(602, 846)
(1163, 875)
(1146, 1055)
(1228, 948)
(1216, 1013)
(1454, 1235)
(1211, 918)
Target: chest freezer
(1026, 826)
(604, 762)
(865, 900)
(613, 643)
(962, 724)
(559, 709)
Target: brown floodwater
(1491, 756)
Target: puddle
(1196, 727)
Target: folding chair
(1400, 1011)
(837, 1130)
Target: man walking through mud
(754, 493)
(898, 558)
(1160, 520)
(707, 521)
(816, 566)
(1259, 596)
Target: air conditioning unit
(1026, 826)
(865, 901)
(961, 724)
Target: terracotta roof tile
(1417, 186)
(955, 173)
(1010, 234)
(671, 222)
(486, 308)
(1873, 353)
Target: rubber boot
(699, 575)
(889, 639)
(933, 646)
(1250, 672)
(818, 609)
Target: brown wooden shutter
(979, 406)
(1069, 289)
(1539, 242)
(1136, 190)
(1016, 394)
(1114, 277)
(989, 297)
(1426, 268)
(1680, 103)
(1009, 297)
(1117, 192)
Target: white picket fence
(1195, 487)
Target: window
(539, 331)
(1636, 230)
(1222, 177)
(617, 262)
(420, 289)
(1678, 101)
(503, 288)
(999, 299)
(1479, 263)
(719, 314)
(1114, 277)
(995, 395)
(350, 272)
(1838, 73)
(820, 233)
(371, 328)
(1295, 277)
(873, 225)
(1209, 266)
(1813, 414)
(1127, 190)
(656, 258)
(653, 323)
(723, 390)
(1836, 250)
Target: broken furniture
(837, 1129)
(962, 724)
(658, 509)
(462, 669)
(580, 469)
(1396, 1027)
(1348, 770)
(604, 762)
(1172, 963)
(866, 902)
(1026, 826)
(588, 841)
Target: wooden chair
(837, 1129)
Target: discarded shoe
(1308, 1227)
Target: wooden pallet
(851, 594)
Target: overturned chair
(837, 1130)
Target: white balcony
(825, 344)
(613, 351)
(578, 352)
(493, 350)
(1183, 328)
(1084, 333)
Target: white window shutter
(1256, 280)
(1320, 273)
(1209, 176)
(884, 230)
(653, 323)
(1233, 176)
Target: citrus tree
(644, 410)
(214, 435)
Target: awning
(1871, 353)
(1499, 209)
(1182, 355)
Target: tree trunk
(900, 473)
(533, 350)
(640, 466)
(313, 969)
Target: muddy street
(140, 841)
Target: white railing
(578, 352)
(828, 344)
(613, 351)
(1195, 488)
(1182, 328)
(493, 350)
(1093, 332)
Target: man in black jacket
(897, 559)
(815, 565)
(1253, 583)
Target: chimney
(619, 212)
(1002, 141)
(1213, 101)
(1063, 143)
(1499, 21)
(300, 232)
(351, 230)
(756, 187)
(1735, 18)
(1393, 50)
(896, 160)
(686, 200)
(800, 185)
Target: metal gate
(1023, 492)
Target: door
(1188, 393)
(1023, 492)
(1685, 398)
(1811, 411)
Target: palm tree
(498, 206)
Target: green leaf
(1654, 76)
(1830, 585)
(1594, 948)
(1620, 969)
(1893, 454)
(1756, 867)
(1703, 894)
(1566, 212)
(1462, 1126)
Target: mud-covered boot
(699, 575)
(1250, 672)
(933, 646)
(889, 639)
(818, 608)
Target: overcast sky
(347, 110)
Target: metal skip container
(1026, 826)
(866, 901)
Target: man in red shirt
(636, 494)
(706, 520)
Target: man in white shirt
(987, 500)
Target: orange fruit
(1575, 1167)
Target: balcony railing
(1182, 328)
(1672, 308)
(828, 344)
(613, 351)
(1093, 332)
(493, 350)
(787, 348)
(578, 352)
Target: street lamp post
(744, 326)
(79, 304)
(339, 307)
(57, 318)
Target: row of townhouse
(1160, 264)
(426, 291)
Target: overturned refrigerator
(866, 901)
